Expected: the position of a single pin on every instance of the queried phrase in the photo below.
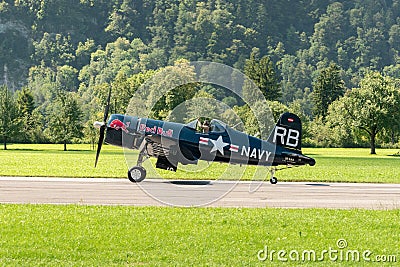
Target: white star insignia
(218, 145)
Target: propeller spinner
(102, 126)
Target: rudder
(287, 132)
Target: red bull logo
(156, 130)
(119, 125)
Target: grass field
(44, 235)
(333, 165)
(74, 235)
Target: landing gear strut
(273, 179)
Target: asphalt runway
(152, 192)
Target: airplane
(173, 143)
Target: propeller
(102, 126)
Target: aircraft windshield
(217, 126)
(193, 124)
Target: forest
(335, 63)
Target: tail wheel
(273, 180)
(136, 174)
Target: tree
(120, 57)
(263, 74)
(65, 119)
(327, 32)
(327, 88)
(26, 106)
(203, 104)
(394, 127)
(170, 87)
(90, 133)
(260, 119)
(371, 106)
(248, 118)
(30, 117)
(67, 78)
(9, 123)
(54, 50)
(124, 88)
(25, 101)
(127, 18)
(83, 52)
(296, 77)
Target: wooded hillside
(86, 46)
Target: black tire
(273, 180)
(136, 174)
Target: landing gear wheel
(136, 174)
(273, 180)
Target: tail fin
(287, 132)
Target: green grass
(49, 160)
(347, 165)
(333, 165)
(45, 235)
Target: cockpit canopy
(218, 126)
(215, 125)
(193, 124)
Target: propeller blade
(107, 107)
(100, 144)
(102, 127)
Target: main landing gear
(137, 173)
(273, 179)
